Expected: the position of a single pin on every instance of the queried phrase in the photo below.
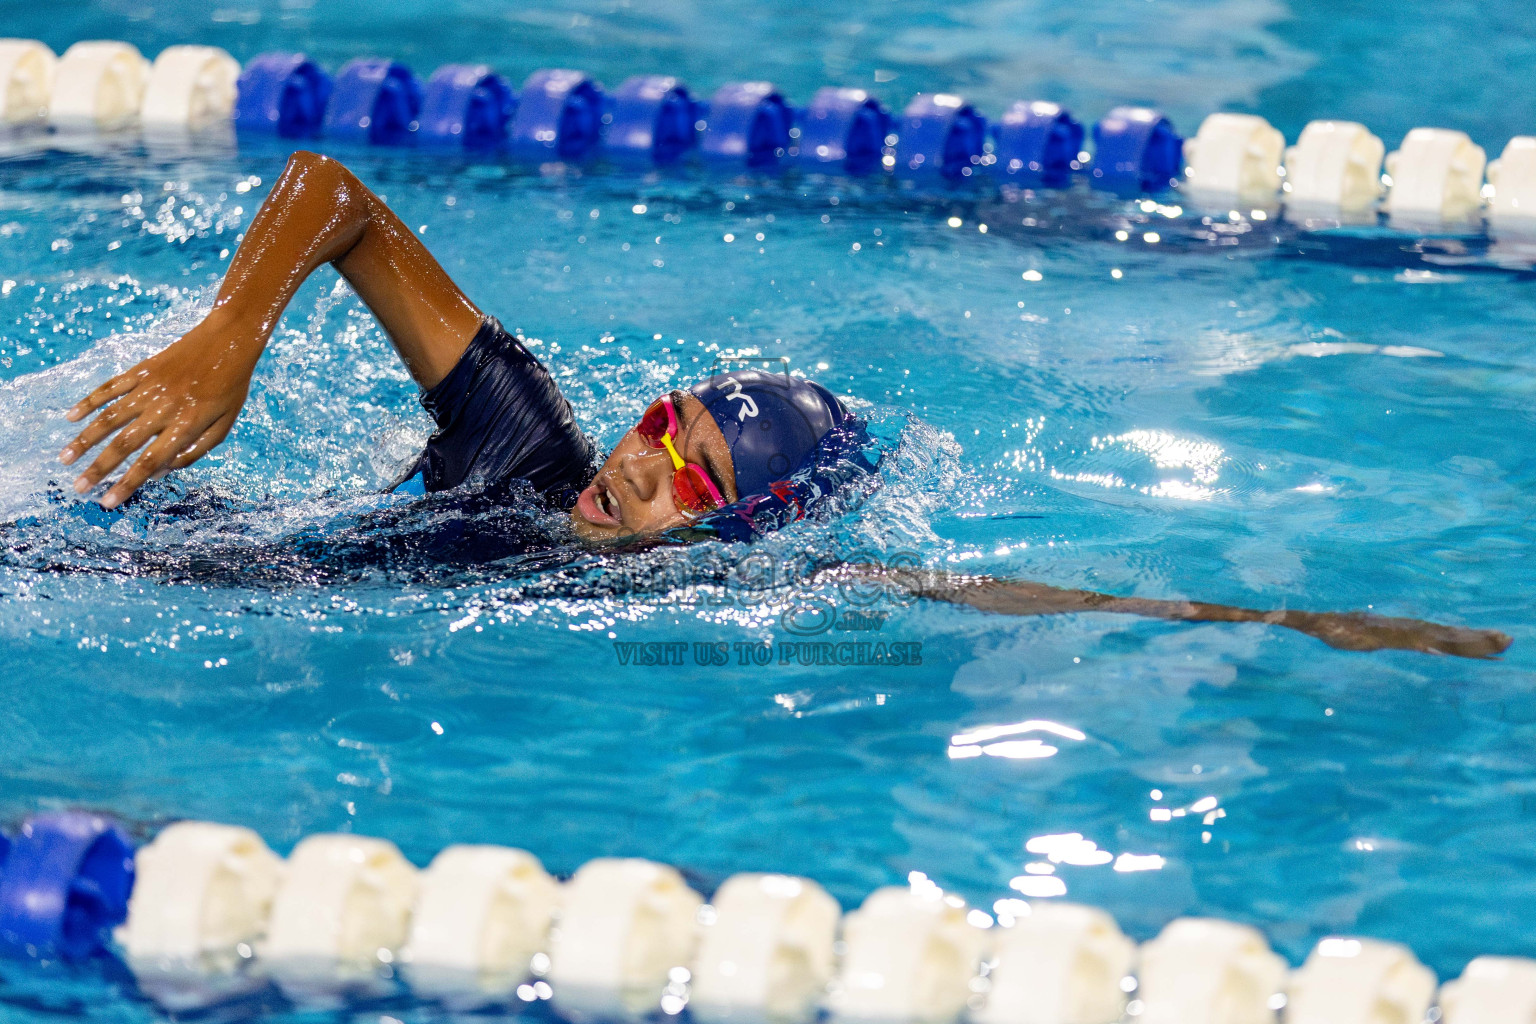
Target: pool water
(1307, 423)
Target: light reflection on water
(986, 741)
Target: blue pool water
(1349, 429)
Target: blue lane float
(283, 94)
(843, 130)
(65, 885)
(1136, 150)
(559, 115)
(652, 117)
(563, 114)
(376, 101)
(466, 105)
(1037, 143)
(940, 134)
(747, 122)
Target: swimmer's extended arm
(1349, 631)
(183, 401)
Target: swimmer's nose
(647, 473)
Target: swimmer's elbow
(321, 175)
(308, 160)
(318, 168)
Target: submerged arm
(183, 401)
(1349, 631)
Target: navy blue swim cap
(792, 442)
(771, 422)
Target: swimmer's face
(632, 492)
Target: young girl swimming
(734, 456)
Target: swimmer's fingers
(1470, 643)
(171, 450)
(128, 440)
(144, 467)
(154, 462)
(173, 446)
(97, 430)
(1433, 638)
(210, 439)
(1356, 632)
(112, 389)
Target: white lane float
(189, 88)
(1360, 981)
(26, 80)
(1437, 175)
(767, 949)
(214, 911)
(625, 926)
(1062, 964)
(1335, 165)
(481, 914)
(98, 87)
(1492, 990)
(1202, 970)
(909, 955)
(200, 905)
(340, 916)
(1512, 207)
(1235, 156)
(202, 891)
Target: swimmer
(734, 456)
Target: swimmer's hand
(179, 402)
(183, 401)
(1348, 631)
(1358, 631)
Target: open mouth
(598, 506)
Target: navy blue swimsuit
(501, 417)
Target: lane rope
(1437, 179)
(206, 913)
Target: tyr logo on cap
(748, 405)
